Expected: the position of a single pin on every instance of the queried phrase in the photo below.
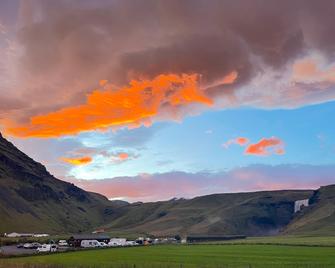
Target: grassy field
(326, 241)
(173, 256)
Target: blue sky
(195, 144)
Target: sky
(151, 100)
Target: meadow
(192, 256)
(293, 240)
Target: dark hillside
(258, 213)
(32, 200)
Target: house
(15, 235)
(98, 231)
(75, 240)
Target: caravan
(47, 248)
(117, 242)
(90, 244)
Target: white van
(90, 244)
(63, 243)
(117, 242)
(47, 248)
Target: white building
(15, 235)
(40, 235)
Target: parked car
(27, 245)
(90, 244)
(103, 244)
(63, 243)
(47, 248)
(19, 246)
(131, 243)
(31, 245)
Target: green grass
(173, 256)
(326, 241)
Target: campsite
(277, 252)
(176, 256)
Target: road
(13, 250)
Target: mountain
(257, 213)
(32, 200)
(319, 217)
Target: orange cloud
(78, 161)
(230, 78)
(132, 106)
(266, 146)
(239, 141)
(226, 80)
(103, 82)
(123, 156)
(242, 141)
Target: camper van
(47, 248)
(90, 244)
(117, 242)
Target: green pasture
(178, 256)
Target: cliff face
(31, 199)
(319, 217)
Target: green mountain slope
(319, 217)
(32, 200)
(257, 213)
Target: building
(15, 235)
(208, 238)
(98, 231)
(75, 240)
(41, 235)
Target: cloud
(121, 157)
(164, 186)
(3, 29)
(78, 161)
(310, 70)
(266, 146)
(243, 52)
(242, 141)
(130, 106)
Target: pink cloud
(152, 187)
(239, 141)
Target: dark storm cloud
(66, 47)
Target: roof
(90, 237)
(215, 236)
